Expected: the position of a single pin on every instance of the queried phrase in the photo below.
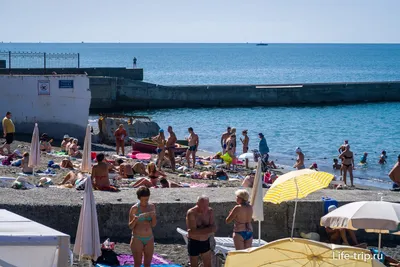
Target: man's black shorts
(196, 247)
(9, 138)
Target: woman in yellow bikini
(142, 220)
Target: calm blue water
(317, 130)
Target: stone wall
(139, 95)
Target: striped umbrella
(296, 185)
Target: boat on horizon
(261, 44)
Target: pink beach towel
(198, 185)
(125, 259)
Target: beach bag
(80, 184)
(108, 257)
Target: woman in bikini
(142, 220)
(241, 215)
(347, 164)
(160, 140)
(153, 175)
(74, 149)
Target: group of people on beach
(200, 223)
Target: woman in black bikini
(347, 164)
(153, 175)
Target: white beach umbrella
(249, 156)
(87, 241)
(373, 216)
(87, 151)
(257, 200)
(34, 154)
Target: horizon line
(90, 42)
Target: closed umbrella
(295, 252)
(295, 185)
(373, 216)
(257, 200)
(87, 151)
(87, 241)
(34, 154)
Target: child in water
(382, 159)
(364, 158)
(337, 166)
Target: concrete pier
(125, 94)
(60, 208)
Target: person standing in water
(201, 226)
(224, 138)
(120, 135)
(382, 158)
(300, 160)
(193, 141)
(363, 159)
(245, 142)
(160, 141)
(264, 150)
(171, 141)
(142, 220)
(347, 164)
(241, 215)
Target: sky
(201, 21)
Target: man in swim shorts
(245, 142)
(171, 141)
(201, 226)
(224, 138)
(193, 141)
(8, 131)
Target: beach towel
(152, 265)
(198, 185)
(126, 259)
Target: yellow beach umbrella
(301, 252)
(296, 185)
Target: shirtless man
(160, 140)
(245, 142)
(394, 174)
(224, 138)
(193, 140)
(171, 141)
(300, 160)
(100, 178)
(201, 225)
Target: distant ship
(261, 44)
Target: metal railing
(27, 60)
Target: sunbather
(100, 177)
(153, 175)
(74, 149)
(24, 164)
(248, 180)
(45, 143)
(201, 225)
(126, 170)
(241, 215)
(169, 184)
(64, 143)
(142, 218)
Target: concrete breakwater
(60, 209)
(120, 93)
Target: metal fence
(29, 60)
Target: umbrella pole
(379, 243)
(259, 233)
(295, 207)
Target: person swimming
(383, 157)
(364, 158)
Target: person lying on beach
(100, 177)
(241, 215)
(153, 175)
(24, 164)
(339, 236)
(248, 181)
(169, 184)
(66, 164)
(71, 179)
(126, 170)
(45, 143)
(64, 143)
(201, 226)
(382, 158)
(74, 149)
(300, 159)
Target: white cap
(298, 149)
(66, 136)
(331, 208)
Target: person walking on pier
(201, 226)
(8, 131)
(171, 141)
(193, 140)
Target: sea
(317, 130)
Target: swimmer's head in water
(335, 160)
(100, 157)
(143, 192)
(242, 196)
